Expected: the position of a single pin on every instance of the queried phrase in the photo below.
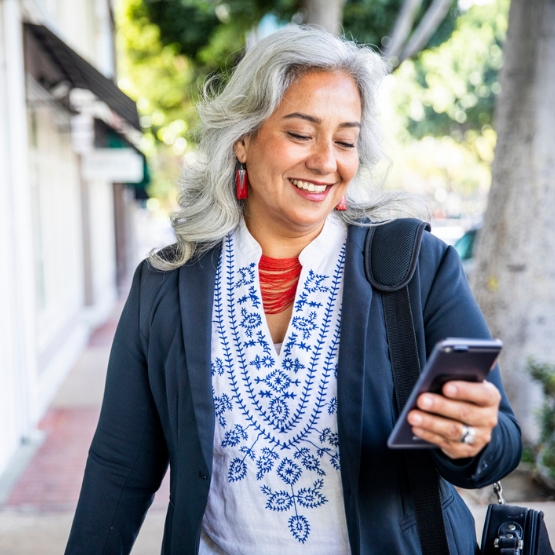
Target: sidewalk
(36, 515)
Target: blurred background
(97, 104)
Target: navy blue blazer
(158, 408)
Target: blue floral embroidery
(309, 461)
(312, 284)
(237, 470)
(281, 402)
(299, 527)
(233, 437)
(289, 472)
(250, 321)
(217, 367)
(262, 362)
(279, 412)
(265, 462)
(278, 381)
(221, 404)
(259, 340)
(329, 437)
(252, 296)
(306, 325)
(278, 501)
(309, 498)
(290, 364)
(247, 276)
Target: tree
(157, 78)
(368, 21)
(328, 14)
(171, 46)
(451, 89)
(439, 110)
(514, 278)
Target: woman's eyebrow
(318, 120)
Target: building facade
(69, 143)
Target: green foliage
(451, 89)
(194, 27)
(369, 21)
(452, 85)
(197, 27)
(548, 459)
(168, 47)
(544, 373)
(528, 455)
(161, 81)
(187, 23)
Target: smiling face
(302, 159)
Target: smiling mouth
(307, 186)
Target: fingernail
(426, 402)
(415, 419)
(450, 389)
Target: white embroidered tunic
(276, 484)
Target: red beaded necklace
(278, 282)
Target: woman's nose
(322, 158)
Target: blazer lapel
(355, 310)
(196, 295)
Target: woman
(251, 355)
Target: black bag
(512, 530)
(391, 254)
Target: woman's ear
(240, 150)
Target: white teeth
(308, 186)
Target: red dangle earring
(342, 205)
(241, 182)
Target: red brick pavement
(104, 335)
(52, 480)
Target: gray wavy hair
(208, 207)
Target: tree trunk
(514, 277)
(402, 28)
(324, 13)
(428, 25)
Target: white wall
(19, 411)
(44, 324)
(57, 230)
(9, 432)
(102, 250)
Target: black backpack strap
(390, 258)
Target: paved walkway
(36, 514)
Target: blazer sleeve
(450, 310)
(128, 455)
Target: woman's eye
(297, 136)
(346, 145)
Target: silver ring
(468, 435)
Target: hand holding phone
(452, 359)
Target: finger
(462, 411)
(482, 393)
(449, 429)
(454, 450)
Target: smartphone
(452, 359)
